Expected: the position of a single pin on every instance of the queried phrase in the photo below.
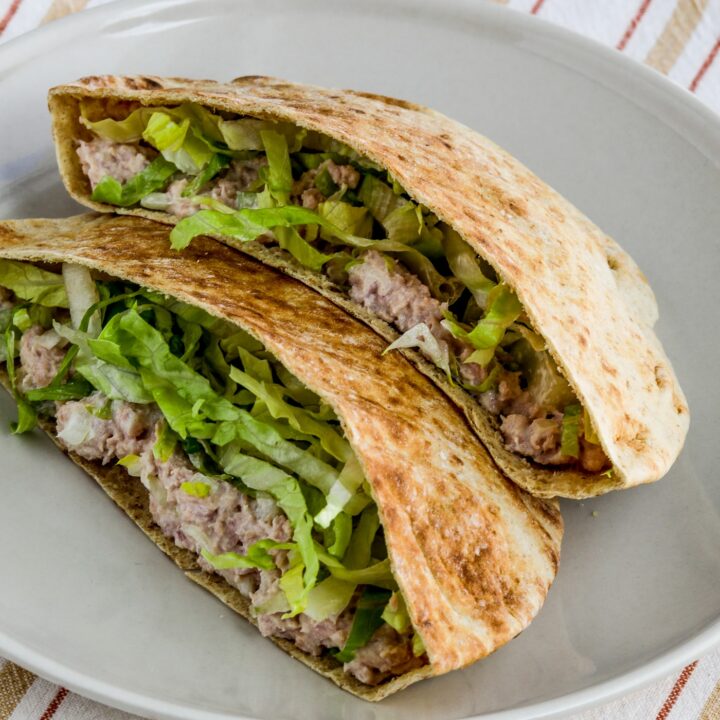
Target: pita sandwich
(330, 494)
(535, 323)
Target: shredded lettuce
(288, 446)
(257, 556)
(378, 198)
(343, 490)
(246, 133)
(119, 380)
(420, 336)
(32, 283)
(589, 431)
(246, 224)
(341, 530)
(259, 475)
(75, 389)
(298, 418)
(360, 546)
(465, 266)
(346, 218)
(177, 143)
(131, 128)
(27, 417)
(367, 619)
(216, 164)
(404, 224)
(329, 598)
(165, 442)
(324, 183)
(395, 613)
(279, 177)
(336, 149)
(570, 434)
(289, 239)
(82, 295)
(503, 309)
(196, 488)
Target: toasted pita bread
(581, 291)
(473, 555)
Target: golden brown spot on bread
(395, 102)
(662, 378)
(609, 369)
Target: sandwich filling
(244, 466)
(338, 213)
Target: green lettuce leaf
(465, 266)
(367, 619)
(196, 488)
(131, 128)
(503, 309)
(343, 490)
(177, 143)
(395, 613)
(152, 178)
(324, 183)
(570, 433)
(341, 531)
(279, 177)
(329, 598)
(75, 389)
(257, 556)
(165, 442)
(259, 475)
(359, 549)
(246, 133)
(119, 381)
(298, 418)
(32, 283)
(378, 198)
(346, 218)
(27, 417)
(422, 338)
(216, 164)
(289, 239)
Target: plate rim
(688, 110)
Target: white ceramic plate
(88, 602)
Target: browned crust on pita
(575, 283)
(473, 554)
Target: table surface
(679, 38)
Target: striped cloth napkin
(680, 38)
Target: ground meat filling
(100, 157)
(397, 296)
(225, 520)
(41, 353)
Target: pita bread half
(581, 291)
(473, 555)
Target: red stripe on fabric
(55, 703)
(9, 15)
(676, 690)
(625, 39)
(705, 66)
(536, 7)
